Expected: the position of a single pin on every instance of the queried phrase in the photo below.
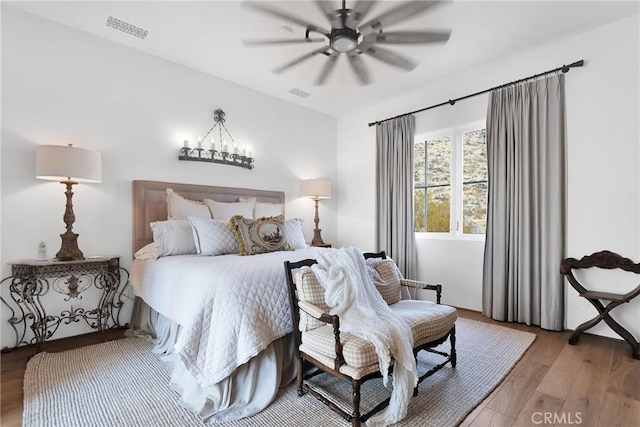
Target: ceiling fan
(349, 36)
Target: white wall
(603, 152)
(60, 85)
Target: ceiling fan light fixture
(343, 40)
(343, 44)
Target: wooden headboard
(150, 202)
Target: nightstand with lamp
(69, 274)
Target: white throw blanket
(351, 294)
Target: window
(450, 181)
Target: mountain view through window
(450, 182)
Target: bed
(222, 322)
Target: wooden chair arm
(332, 319)
(423, 285)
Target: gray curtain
(526, 208)
(394, 221)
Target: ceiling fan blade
(400, 13)
(359, 11)
(262, 7)
(358, 66)
(327, 10)
(327, 69)
(409, 37)
(300, 59)
(280, 41)
(392, 58)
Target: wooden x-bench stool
(607, 260)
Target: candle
(249, 153)
(199, 142)
(224, 148)
(243, 152)
(213, 144)
(185, 144)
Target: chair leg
(356, 404)
(453, 355)
(299, 375)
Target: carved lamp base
(69, 250)
(317, 238)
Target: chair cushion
(386, 277)
(310, 290)
(357, 352)
(355, 373)
(428, 322)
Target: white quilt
(231, 306)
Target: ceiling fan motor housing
(343, 40)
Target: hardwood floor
(595, 383)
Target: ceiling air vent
(299, 93)
(125, 27)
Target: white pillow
(180, 208)
(293, 231)
(172, 237)
(213, 237)
(224, 211)
(145, 252)
(264, 209)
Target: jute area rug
(121, 383)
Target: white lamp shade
(316, 188)
(61, 163)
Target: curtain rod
(564, 69)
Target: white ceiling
(206, 36)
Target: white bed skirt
(247, 391)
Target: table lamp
(69, 165)
(316, 189)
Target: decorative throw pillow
(213, 237)
(224, 211)
(172, 237)
(263, 209)
(258, 236)
(180, 208)
(386, 277)
(295, 236)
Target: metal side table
(30, 280)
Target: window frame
(456, 181)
